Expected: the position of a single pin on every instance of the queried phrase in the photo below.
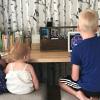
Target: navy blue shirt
(3, 87)
(87, 56)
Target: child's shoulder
(9, 64)
(28, 65)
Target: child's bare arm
(34, 78)
(75, 72)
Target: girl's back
(19, 80)
(21, 77)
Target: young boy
(85, 81)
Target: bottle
(8, 41)
(28, 39)
(17, 36)
(11, 40)
(5, 41)
(52, 21)
(21, 36)
(1, 42)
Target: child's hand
(36, 87)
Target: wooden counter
(38, 56)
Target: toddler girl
(21, 77)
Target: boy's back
(87, 55)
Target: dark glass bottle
(1, 42)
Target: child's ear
(96, 29)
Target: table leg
(53, 92)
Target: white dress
(19, 81)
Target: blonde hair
(88, 20)
(20, 51)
